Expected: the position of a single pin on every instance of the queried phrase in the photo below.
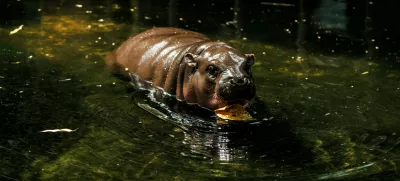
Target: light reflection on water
(223, 150)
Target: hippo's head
(220, 75)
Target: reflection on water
(322, 114)
(223, 149)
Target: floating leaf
(234, 112)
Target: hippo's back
(152, 51)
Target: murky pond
(327, 109)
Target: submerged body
(188, 65)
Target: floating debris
(178, 130)
(78, 5)
(268, 47)
(58, 130)
(373, 63)
(116, 6)
(64, 80)
(364, 73)
(334, 84)
(16, 30)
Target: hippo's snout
(237, 88)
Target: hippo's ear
(250, 58)
(191, 59)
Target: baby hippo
(187, 65)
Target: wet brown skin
(188, 65)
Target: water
(324, 114)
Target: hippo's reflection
(223, 149)
(241, 142)
(208, 146)
(271, 138)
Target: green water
(325, 116)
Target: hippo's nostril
(240, 81)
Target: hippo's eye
(212, 71)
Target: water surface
(323, 115)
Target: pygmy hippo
(188, 65)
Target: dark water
(327, 76)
